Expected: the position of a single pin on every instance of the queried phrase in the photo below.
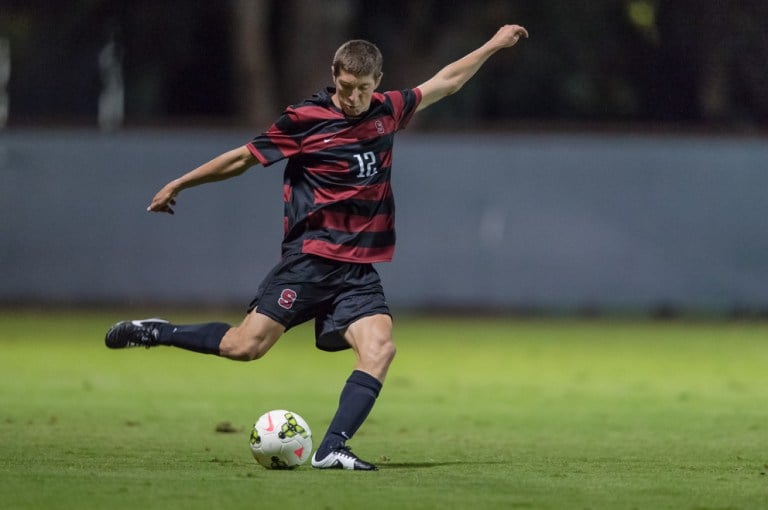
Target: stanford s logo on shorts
(287, 297)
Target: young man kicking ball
(339, 220)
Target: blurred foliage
(701, 63)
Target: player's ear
(378, 81)
(333, 74)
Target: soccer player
(339, 220)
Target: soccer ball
(281, 439)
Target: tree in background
(654, 61)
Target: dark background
(616, 160)
(689, 63)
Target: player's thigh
(371, 338)
(253, 338)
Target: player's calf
(252, 339)
(203, 338)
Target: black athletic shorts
(336, 294)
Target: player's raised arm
(453, 76)
(224, 166)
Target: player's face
(353, 93)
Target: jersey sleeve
(404, 103)
(281, 141)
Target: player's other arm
(224, 166)
(453, 76)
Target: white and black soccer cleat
(342, 458)
(137, 333)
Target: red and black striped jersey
(338, 199)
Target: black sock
(356, 401)
(203, 338)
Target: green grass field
(525, 413)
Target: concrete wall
(484, 221)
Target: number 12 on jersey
(366, 162)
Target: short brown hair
(358, 57)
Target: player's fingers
(520, 31)
(153, 207)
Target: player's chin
(353, 112)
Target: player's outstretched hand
(163, 201)
(508, 35)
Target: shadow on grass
(423, 465)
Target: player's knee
(250, 352)
(381, 350)
(240, 347)
(389, 351)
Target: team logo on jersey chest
(379, 127)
